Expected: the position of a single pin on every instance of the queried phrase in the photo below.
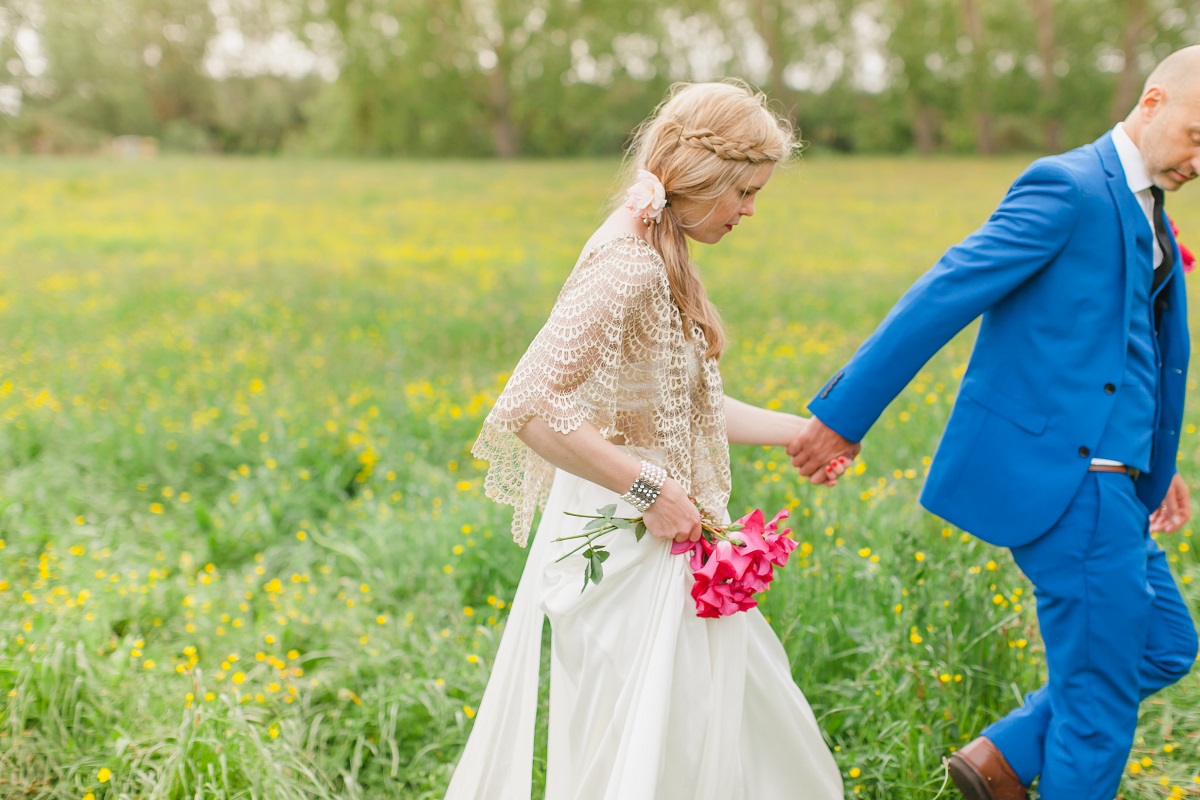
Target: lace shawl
(613, 353)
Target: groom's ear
(837, 376)
(1152, 101)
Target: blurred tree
(559, 77)
(18, 20)
(922, 43)
(1134, 17)
(126, 66)
(1047, 64)
(474, 77)
(791, 47)
(978, 78)
(258, 114)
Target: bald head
(1165, 123)
(1179, 71)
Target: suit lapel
(1130, 219)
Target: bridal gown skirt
(647, 700)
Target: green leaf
(733, 527)
(640, 530)
(622, 523)
(597, 524)
(596, 555)
(607, 511)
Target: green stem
(590, 536)
(576, 550)
(586, 534)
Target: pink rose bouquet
(730, 563)
(730, 570)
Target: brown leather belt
(1130, 471)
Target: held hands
(1176, 508)
(673, 516)
(835, 469)
(820, 453)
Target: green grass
(246, 552)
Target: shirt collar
(1131, 160)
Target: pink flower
(730, 563)
(779, 543)
(733, 564)
(646, 198)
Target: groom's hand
(818, 446)
(1176, 508)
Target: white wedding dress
(647, 700)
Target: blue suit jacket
(1050, 273)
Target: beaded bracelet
(647, 487)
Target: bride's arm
(749, 424)
(584, 452)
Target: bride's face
(708, 222)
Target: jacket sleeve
(1025, 233)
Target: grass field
(244, 550)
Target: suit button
(1084, 452)
(1109, 388)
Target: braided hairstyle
(701, 142)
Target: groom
(1062, 442)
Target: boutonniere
(1189, 260)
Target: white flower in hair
(646, 198)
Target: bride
(619, 400)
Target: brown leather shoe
(980, 772)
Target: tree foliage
(568, 77)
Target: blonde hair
(701, 141)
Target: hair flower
(646, 198)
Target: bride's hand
(836, 469)
(673, 515)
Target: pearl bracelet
(646, 489)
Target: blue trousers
(1115, 630)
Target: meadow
(244, 548)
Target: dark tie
(1164, 238)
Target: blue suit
(1051, 273)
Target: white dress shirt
(1138, 180)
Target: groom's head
(1165, 124)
